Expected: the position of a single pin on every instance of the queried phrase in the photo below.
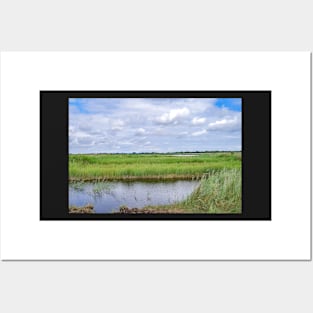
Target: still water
(107, 197)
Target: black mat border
(256, 149)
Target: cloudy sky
(128, 125)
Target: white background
(287, 75)
(156, 286)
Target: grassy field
(149, 166)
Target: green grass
(218, 192)
(149, 166)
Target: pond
(107, 197)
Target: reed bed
(219, 192)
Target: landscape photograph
(155, 155)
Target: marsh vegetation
(155, 182)
(218, 192)
(162, 167)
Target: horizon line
(206, 151)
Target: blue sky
(126, 125)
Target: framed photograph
(155, 155)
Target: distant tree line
(165, 153)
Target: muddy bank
(88, 209)
(126, 210)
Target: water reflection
(107, 197)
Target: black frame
(256, 154)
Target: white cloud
(140, 132)
(199, 133)
(173, 116)
(226, 124)
(117, 124)
(198, 120)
